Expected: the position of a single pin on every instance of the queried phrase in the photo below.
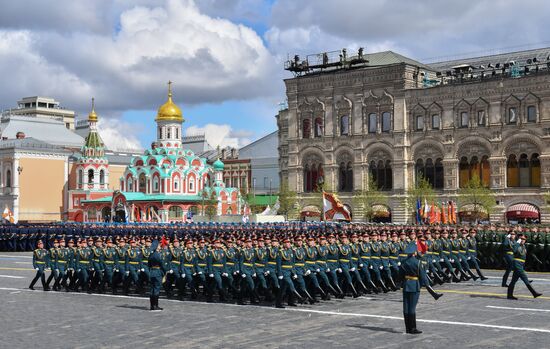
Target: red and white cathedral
(165, 184)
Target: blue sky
(224, 56)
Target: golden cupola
(92, 117)
(169, 111)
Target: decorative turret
(169, 121)
(93, 166)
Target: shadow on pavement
(374, 328)
(132, 307)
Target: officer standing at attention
(410, 270)
(520, 254)
(156, 268)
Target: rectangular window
(436, 122)
(265, 183)
(481, 118)
(372, 123)
(419, 122)
(512, 115)
(531, 113)
(344, 125)
(464, 119)
(386, 122)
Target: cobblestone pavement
(470, 315)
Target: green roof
(132, 196)
(263, 200)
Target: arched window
(463, 172)
(485, 171)
(524, 175)
(313, 177)
(464, 119)
(160, 133)
(439, 173)
(90, 176)
(130, 185)
(175, 212)
(192, 184)
(318, 131)
(531, 113)
(419, 169)
(381, 174)
(430, 171)
(344, 125)
(176, 130)
(102, 177)
(169, 133)
(155, 183)
(345, 177)
(535, 170)
(8, 178)
(512, 171)
(306, 128)
(142, 183)
(419, 122)
(176, 184)
(373, 123)
(80, 179)
(512, 115)
(386, 122)
(436, 122)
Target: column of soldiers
(288, 264)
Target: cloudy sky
(225, 56)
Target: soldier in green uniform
(472, 252)
(365, 262)
(39, 261)
(132, 263)
(217, 270)
(312, 269)
(188, 269)
(83, 262)
(345, 265)
(201, 252)
(156, 267)
(410, 270)
(97, 265)
(322, 264)
(232, 257)
(71, 264)
(260, 267)
(247, 272)
(285, 274)
(173, 275)
(110, 259)
(355, 257)
(508, 249)
(62, 263)
(520, 255)
(446, 256)
(375, 261)
(52, 263)
(144, 275)
(270, 272)
(299, 269)
(333, 254)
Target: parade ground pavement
(469, 315)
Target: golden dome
(169, 111)
(92, 117)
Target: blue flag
(418, 208)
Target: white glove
(172, 272)
(128, 273)
(361, 265)
(211, 275)
(237, 272)
(78, 271)
(183, 276)
(294, 276)
(92, 269)
(225, 274)
(37, 269)
(307, 272)
(441, 260)
(399, 263)
(280, 277)
(57, 270)
(509, 236)
(200, 272)
(143, 269)
(243, 276)
(318, 270)
(469, 258)
(267, 273)
(452, 260)
(352, 269)
(254, 275)
(328, 270)
(370, 267)
(433, 261)
(194, 274)
(339, 270)
(381, 267)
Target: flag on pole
(426, 209)
(333, 209)
(443, 213)
(418, 211)
(8, 215)
(432, 214)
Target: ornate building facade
(392, 120)
(162, 185)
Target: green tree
(209, 203)
(368, 198)
(480, 197)
(422, 190)
(287, 200)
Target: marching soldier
(157, 271)
(508, 248)
(520, 255)
(410, 269)
(39, 262)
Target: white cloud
(126, 56)
(220, 135)
(118, 135)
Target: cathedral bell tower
(93, 166)
(169, 123)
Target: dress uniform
(188, 268)
(333, 265)
(110, 259)
(62, 257)
(157, 271)
(83, 262)
(410, 270)
(173, 276)
(132, 262)
(472, 253)
(508, 249)
(520, 255)
(322, 264)
(285, 274)
(247, 272)
(98, 265)
(216, 270)
(39, 261)
(200, 265)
